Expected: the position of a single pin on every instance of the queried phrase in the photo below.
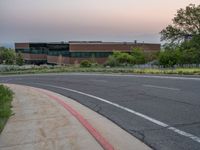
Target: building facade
(75, 51)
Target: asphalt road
(163, 112)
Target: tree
(190, 51)
(7, 56)
(187, 52)
(186, 24)
(169, 58)
(1, 54)
(19, 59)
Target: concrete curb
(99, 138)
(104, 133)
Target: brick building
(76, 51)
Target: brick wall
(57, 60)
(28, 56)
(98, 60)
(88, 47)
(21, 45)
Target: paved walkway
(40, 122)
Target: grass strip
(6, 96)
(62, 69)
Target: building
(76, 51)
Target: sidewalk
(41, 122)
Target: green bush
(138, 56)
(112, 61)
(6, 96)
(123, 58)
(85, 63)
(169, 58)
(186, 52)
(7, 56)
(19, 59)
(119, 59)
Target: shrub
(85, 63)
(138, 56)
(7, 56)
(19, 59)
(123, 58)
(169, 58)
(119, 59)
(112, 61)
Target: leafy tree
(186, 24)
(19, 59)
(190, 51)
(7, 56)
(169, 58)
(189, 56)
(186, 31)
(193, 43)
(1, 57)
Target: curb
(98, 137)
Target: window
(90, 54)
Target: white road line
(94, 80)
(160, 87)
(162, 124)
(6, 80)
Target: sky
(71, 20)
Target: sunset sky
(106, 20)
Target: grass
(178, 71)
(101, 69)
(6, 96)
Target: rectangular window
(90, 54)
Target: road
(161, 111)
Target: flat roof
(86, 42)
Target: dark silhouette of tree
(186, 25)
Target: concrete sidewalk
(41, 123)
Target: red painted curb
(99, 138)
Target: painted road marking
(160, 123)
(6, 80)
(95, 80)
(160, 87)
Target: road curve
(162, 111)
